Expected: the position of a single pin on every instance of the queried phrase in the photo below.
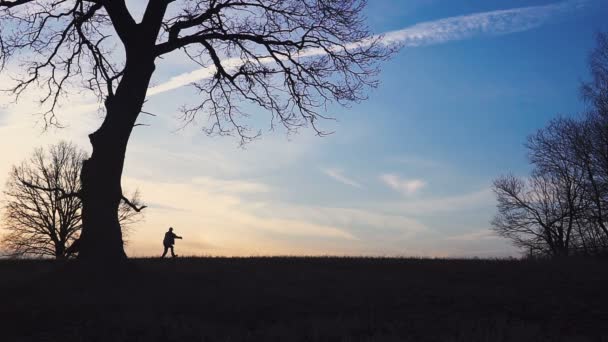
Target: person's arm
(178, 237)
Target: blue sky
(407, 172)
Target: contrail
(480, 24)
(427, 33)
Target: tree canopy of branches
(289, 57)
(541, 213)
(562, 209)
(42, 211)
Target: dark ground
(306, 299)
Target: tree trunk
(101, 237)
(60, 251)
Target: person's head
(170, 229)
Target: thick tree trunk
(101, 237)
(59, 251)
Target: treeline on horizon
(561, 208)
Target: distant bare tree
(568, 192)
(596, 90)
(590, 156)
(563, 208)
(539, 214)
(592, 140)
(42, 213)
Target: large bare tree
(42, 212)
(290, 57)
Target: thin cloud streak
(404, 186)
(479, 24)
(339, 176)
(423, 34)
(450, 204)
(480, 235)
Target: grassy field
(306, 299)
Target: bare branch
(64, 194)
(9, 4)
(133, 206)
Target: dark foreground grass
(306, 299)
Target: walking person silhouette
(169, 241)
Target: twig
(64, 194)
(133, 206)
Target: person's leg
(165, 252)
(172, 252)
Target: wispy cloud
(484, 234)
(230, 186)
(449, 204)
(427, 33)
(338, 175)
(370, 224)
(479, 24)
(404, 186)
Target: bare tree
(290, 57)
(42, 213)
(539, 214)
(564, 207)
(596, 90)
(590, 156)
(564, 201)
(592, 142)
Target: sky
(406, 173)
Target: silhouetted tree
(290, 57)
(586, 144)
(563, 208)
(596, 91)
(42, 211)
(538, 214)
(592, 143)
